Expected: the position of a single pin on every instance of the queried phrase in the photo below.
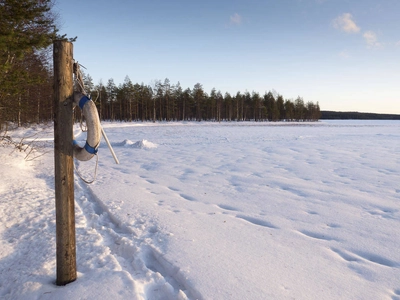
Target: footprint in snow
(357, 256)
(396, 295)
(377, 259)
(256, 221)
(227, 207)
(346, 256)
(173, 189)
(187, 197)
(316, 235)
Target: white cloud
(346, 23)
(371, 39)
(236, 19)
(398, 44)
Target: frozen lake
(220, 211)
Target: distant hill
(346, 115)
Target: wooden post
(63, 155)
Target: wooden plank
(63, 158)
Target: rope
(78, 77)
(95, 172)
(97, 97)
(80, 86)
(79, 80)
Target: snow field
(214, 211)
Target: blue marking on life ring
(83, 101)
(90, 149)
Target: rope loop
(95, 172)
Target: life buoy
(89, 110)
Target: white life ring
(89, 110)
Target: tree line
(354, 115)
(163, 101)
(27, 31)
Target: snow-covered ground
(212, 211)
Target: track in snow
(152, 276)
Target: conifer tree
(26, 28)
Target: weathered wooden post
(63, 155)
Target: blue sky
(345, 54)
